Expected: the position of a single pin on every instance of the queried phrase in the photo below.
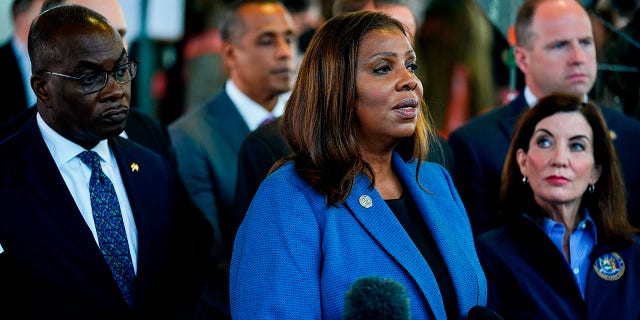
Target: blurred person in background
(15, 64)
(456, 41)
(618, 65)
(259, 52)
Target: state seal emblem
(609, 266)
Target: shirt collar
(252, 112)
(63, 150)
(532, 100)
(587, 225)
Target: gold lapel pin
(134, 167)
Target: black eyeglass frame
(131, 68)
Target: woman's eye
(412, 67)
(543, 142)
(382, 70)
(577, 146)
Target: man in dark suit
(258, 49)
(14, 61)
(556, 53)
(54, 245)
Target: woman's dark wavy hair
(607, 204)
(319, 122)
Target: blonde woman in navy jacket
(355, 198)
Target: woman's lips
(407, 112)
(407, 108)
(557, 180)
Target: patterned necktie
(109, 226)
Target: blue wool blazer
(294, 257)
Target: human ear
(521, 57)
(521, 158)
(595, 174)
(40, 88)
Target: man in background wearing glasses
(87, 226)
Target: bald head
(556, 50)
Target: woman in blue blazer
(355, 198)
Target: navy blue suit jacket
(51, 265)
(480, 147)
(529, 278)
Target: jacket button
(365, 201)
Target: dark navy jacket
(529, 278)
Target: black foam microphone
(376, 298)
(483, 313)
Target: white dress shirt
(253, 113)
(532, 100)
(76, 176)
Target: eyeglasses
(96, 81)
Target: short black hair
(231, 22)
(45, 27)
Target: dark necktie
(109, 226)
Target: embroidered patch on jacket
(609, 266)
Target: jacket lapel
(133, 172)
(43, 176)
(446, 230)
(511, 115)
(368, 207)
(226, 120)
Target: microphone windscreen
(483, 313)
(376, 298)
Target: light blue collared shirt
(253, 113)
(76, 176)
(24, 63)
(581, 243)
